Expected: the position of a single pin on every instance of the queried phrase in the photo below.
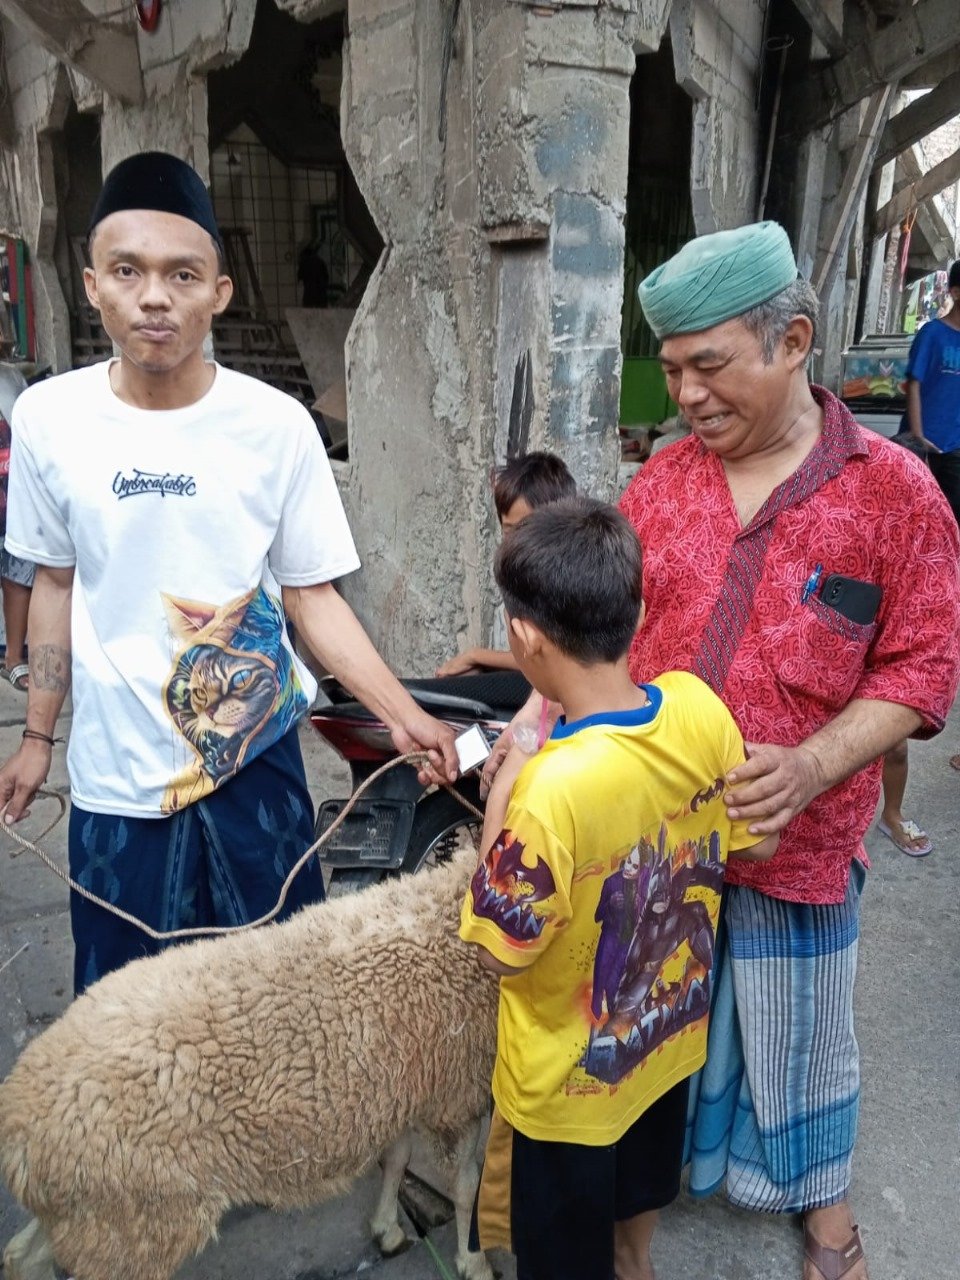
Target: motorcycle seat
(494, 695)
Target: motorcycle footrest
(375, 833)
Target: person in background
(519, 487)
(933, 394)
(16, 574)
(903, 832)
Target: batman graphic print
(600, 897)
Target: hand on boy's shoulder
(772, 786)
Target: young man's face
(514, 514)
(156, 282)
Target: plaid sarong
(773, 1114)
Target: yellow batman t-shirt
(604, 887)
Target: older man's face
(732, 400)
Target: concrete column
(877, 250)
(498, 180)
(717, 51)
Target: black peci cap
(156, 180)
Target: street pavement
(907, 1182)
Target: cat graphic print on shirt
(233, 688)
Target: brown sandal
(832, 1263)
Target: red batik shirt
(726, 603)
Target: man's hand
(420, 732)
(498, 753)
(527, 717)
(462, 665)
(22, 777)
(772, 786)
(507, 774)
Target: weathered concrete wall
(848, 151)
(192, 37)
(40, 93)
(936, 147)
(717, 49)
(498, 180)
(491, 146)
(419, 347)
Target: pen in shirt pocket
(811, 584)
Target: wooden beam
(943, 175)
(855, 177)
(920, 118)
(929, 75)
(825, 20)
(108, 55)
(930, 222)
(922, 32)
(935, 221)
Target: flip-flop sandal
(16, 676)
(833, 1263)
(912, 832)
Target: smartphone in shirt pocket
(853, 599)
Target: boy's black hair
(537, 478)
(953, 279)
(574, 569)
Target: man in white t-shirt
(179, 512)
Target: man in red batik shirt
(808, 571)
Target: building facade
(481, 181)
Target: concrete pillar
(717, 51)
(876, 249)
(889, 309)
(191, 38)
(497, 179)
(41, 95)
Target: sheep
(268, 1068)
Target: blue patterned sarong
(773, 1113)
(221, 861)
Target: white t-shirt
(182, 524)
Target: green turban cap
(714, 278)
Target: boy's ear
(530, 637)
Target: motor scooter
(398, 825)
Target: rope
(208, 931)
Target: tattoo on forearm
(50, 667)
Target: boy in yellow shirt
(596, 900)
